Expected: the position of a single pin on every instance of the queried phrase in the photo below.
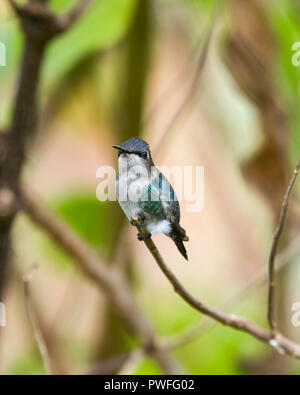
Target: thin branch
(173, 86)
(273, 251)
(191, 333)
(109, 366)
(70, 17)
(281, 344)
(14, 5)
(109, 279)
(106, 277)
(37, 333)
(21, 128)
(40, 25)
(191, 91)
(131, 362)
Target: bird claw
(138, 220)
(141, 238)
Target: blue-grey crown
(135, 144)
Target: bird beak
(120, 149)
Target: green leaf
(101, 26)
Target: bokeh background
(139, 68)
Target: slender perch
(273, 251)
(280, 343)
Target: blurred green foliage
(284, 17)
(86, 215)
(104, 25)
(99, 28)
(27, 364)
(86, 37)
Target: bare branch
(272, 256)
(38, 336)
(21, 128)
(69, 18)
(191, 333)
(131, 362)
(281, 343)
(109, 366)
(109, 279)
(40, 25)
(191, 91)
(14, 5)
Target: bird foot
(137, 221)
(141, 238)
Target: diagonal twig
(39, 25)
(37, 333)
(66, 20)
(191, 90)
(273, 251)
(281, 343)
(191, 333)
(132, 361)
(111, 280)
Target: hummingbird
(142, 190)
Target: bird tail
(181, 247)
(178, 235)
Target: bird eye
(144, 154)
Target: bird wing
(161, 200)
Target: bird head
(136, 151)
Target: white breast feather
(159, 227)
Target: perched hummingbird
(142, 190)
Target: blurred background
(140, 68)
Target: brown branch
(273, 251)
(109, 366)
(70, 17)
(39, 26)
(191, 333)
(191, 91)
(22, 126)
(37, 333)
(131, 362)
(173, 86)
(281, 343)
(109, 279)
